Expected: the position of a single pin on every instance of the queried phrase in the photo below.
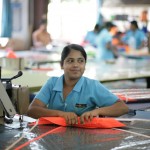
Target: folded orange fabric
(103, 123)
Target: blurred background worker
(106, 50)
(134, 37)
(41, 38)
(91, 36)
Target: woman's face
(43, 27)
(132, 27)
(74, 65)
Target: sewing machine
(7, 110)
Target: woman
(105, 49)
(73, 95)
(40, 37)
(134, 37)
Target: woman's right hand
(70, 117)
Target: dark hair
(109, 25)
(134, 23)
(68, 48)
(96, 27)
(43, 21)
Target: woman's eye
(70, 61)
(80, 60)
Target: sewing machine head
(7, 110)
(6, 106)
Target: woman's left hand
(88, 116)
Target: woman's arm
(112, 48)
(36, 42)
(117, 109)
(38, 109)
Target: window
(69, 20)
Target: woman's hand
(88, 116)
(70, 117)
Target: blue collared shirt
(91, 37)
(85, 96)
(138, 36)
(102, 40)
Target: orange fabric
(104, 123)
(11, 54)
(127, 48)
(115, 41)
(125, 98)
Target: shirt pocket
(80, 108)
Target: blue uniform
(85, 96)
(102, 39)
(91, 37)
(138, 36)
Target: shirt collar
(79, 84)
(59, 84)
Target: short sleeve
(44, 94)
(103, 97)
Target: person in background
(144, 21)
(134, 37)
(117, 42)
(106, 51)
(117, 38)
(72, 95)
(40, 37)
(91, 36)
